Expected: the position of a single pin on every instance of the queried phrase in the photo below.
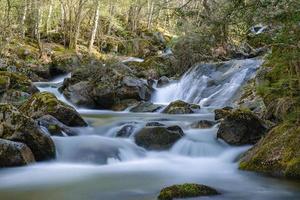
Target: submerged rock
(181, 107)
(126, 131)
(45, 103)
(157, 137)
(203, 124)
(154, 124)
(55, 127)
(146, 107)
(278, 153)
(17, 127)
(186, 191)
(241, 127)
(14, 154)
(163, 81)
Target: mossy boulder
(146, 107)
(241, 127)
(45, 103)
(186, 191)
(15, 88)
(222, 113)
(17, 127)
(181, 107)
(14, 154)
(158, 137)
(277, 154)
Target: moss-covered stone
(241, 127)
(186, 191)
(45, 103)
(181, 107)
(17, 127)
(158, 137)
(277, 153)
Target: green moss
(186, 191)
(277, 154)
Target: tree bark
(94, 31)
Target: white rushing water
(209, 84)
(97, 165)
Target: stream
(96, 165)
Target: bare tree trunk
(94, 31)
(48, 21)
(23, 18)
(111, 16)
(150, 15)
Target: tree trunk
(23, 18)
(94, 31)
(48, 21)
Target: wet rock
(158, 138)
(15, 88)
(222, 113)
(14, 154)
(163, 81)
(203, 124)
(241, 128)
(146, 107)
(45, 103)
(277, 154)
(181, 107)
(17, 127)
(186, 191)
(55, 127)
(126, 131)
(154, 124)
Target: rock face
(45, 103)
(126, 131)
(203, 124)
(146, 107)
(17, 127)
(186, 191)
(241, 128)
(105, 87)
(222, 113)
(278, 153)
(14, 154)
(181, 107)
(158, 138)
(15, 88)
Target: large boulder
(14, 154)
(277, 154)
(45, 103)
(15, 88)
(241, 128)
(186, 191)
(181, 107)
(158, 137)
(146, 107)
(105, 87)
(17, 127)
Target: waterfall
(209, 84)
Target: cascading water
(209, 84)
(98, 165)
